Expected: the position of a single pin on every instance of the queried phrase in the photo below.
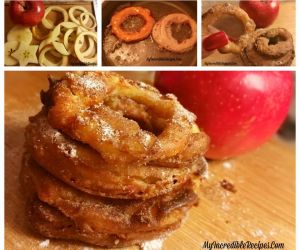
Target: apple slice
(26, 54)
(20, 33)
(10, 47)
(60, 48)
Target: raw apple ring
(86, 16)
(44, 61)
(78, 44)
(162, 33)
(219, 10)
(118, 19)
(75, 19)
(48, 23)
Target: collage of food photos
(149, 125)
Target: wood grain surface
(286, 19)
(261, 209)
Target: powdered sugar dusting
(182, 112)
(88, 81)
(68, 150)
(44, 244)
(108, 133)
(152, 245)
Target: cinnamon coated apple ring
(216, 12)
(77, 107)
(83, 168)
(107, 216)
(162, 33)
(268, 47)
(131, 36)
(51, 223)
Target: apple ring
(119, 18)
(44, 61)
(84, 169)
(85, 16)
(119, 220)
(219, 10)
(50, 24)
(268, 47)
(75, 19)
(82, 56)
(89, 120)
(162, 33)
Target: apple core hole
(181, 31)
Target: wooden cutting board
(286, 19)
(261, 209)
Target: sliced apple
(20, 33)
(26, 54)
(10, 47)
(60, 48)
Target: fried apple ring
(83, 168)
(268, 47)
(77, 107)
(162, 33)
(52, 223)
(120, 17)
(91, 214)
(219, 10)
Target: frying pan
(145, 52)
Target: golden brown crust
(110, 161)
(268, 47)
(77, 107)
(107, 216)
(82, 167)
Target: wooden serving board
(286, 19)
(261, 209)
(88, 4)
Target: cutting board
(261, 209)
(286, 19)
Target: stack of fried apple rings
(110, 161)
(268, 47)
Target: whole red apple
(28, 13)
(263, 12)
(239, 110)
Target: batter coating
(83, 168)
(120, 218)
(219, 10)
(268, 47)
(77, 107)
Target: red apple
(263, 12)
(28, 13)
(239, 110)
